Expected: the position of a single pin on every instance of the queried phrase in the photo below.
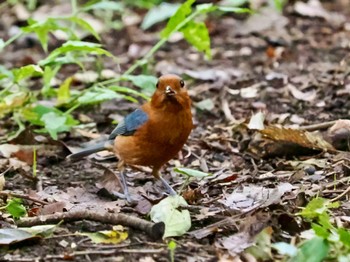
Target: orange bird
(152, 134)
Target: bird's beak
(169, 91)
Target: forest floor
(293, 67)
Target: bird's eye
(182, 83)
(157, 85)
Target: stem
(34, 162)
(74, 7)
(72, 109)
(161, 42)
(12, 39)
(184, 184)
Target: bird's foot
(127, 197)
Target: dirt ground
(257, 65)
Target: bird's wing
(130, 124)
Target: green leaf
(54, 123)
(191, 172)
(145, 82)
(127, 90)
(320, 231)
(106, 5)
(97, 95)
(26, 71)
(107, 237)
(197, 35)
(313, 250)
(285, 249)
(261, 250)
(344, 236)
(52, 119)
(85, 25)
(314, 208)
(180, 15)
(75, 46)
(49, 74)
(206, 8)
(42, 29)
(63, 93)
(177, 222)
(159, 14)
(237, 10)
(279, 4)
(13, 235)
(15, 208)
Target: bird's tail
(104, 145)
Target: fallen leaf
(114, 236)
(251, 197)
(176, 222)
(265, 19)
(41, 230)
(261, 250)
(250, 92)
(304, 96)
(298, 137)
(206, 104)
(314, 8)
(13, 235)
(257, 121)
(238, 242)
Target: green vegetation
(325, 240)
(24, 105)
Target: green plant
(327, 241)
(189, 174)
(15, 208)
(172, 247)
(17, 99)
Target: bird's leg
(125, 186)
(157, 175)
(170, 190)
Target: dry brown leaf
(238, 242)
(299, 137)
(251, 197)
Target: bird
(152, 134)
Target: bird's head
(171, 91)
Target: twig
(106, 252)
(208, 230)
(9, 194)
(332, 185)
(155, 230)
(319, 126)
(341, 195)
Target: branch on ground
(155, 230)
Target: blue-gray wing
(130, 124)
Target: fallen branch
(155, 230)
(26, 197)
(319, 126)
